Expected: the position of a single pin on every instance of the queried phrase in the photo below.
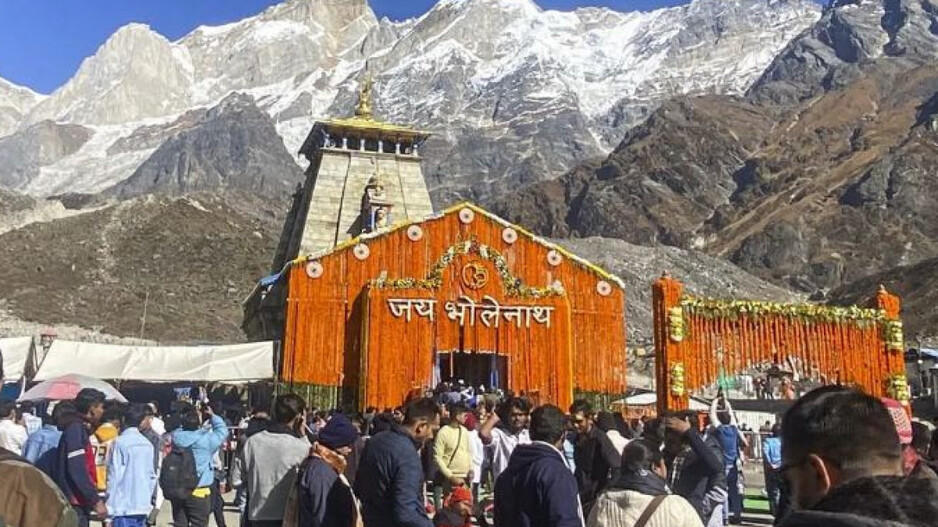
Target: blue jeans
(129, 521)
(733, 508)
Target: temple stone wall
(334, 212)
(322, 217)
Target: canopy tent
(235, 364)
(16, 355)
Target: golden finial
(364, 109)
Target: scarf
(332, 458)
(338, 463)
(643, 481)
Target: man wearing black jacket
(842, 459)
(597, 460)
(538, 489)
(695, 466)
(390, 477)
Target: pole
(143, 319)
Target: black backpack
(179, 475)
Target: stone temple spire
(364, 175)
(365, 101)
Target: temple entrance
(475, 369)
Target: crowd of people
(458, 458)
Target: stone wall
(334, 212)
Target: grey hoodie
(268, 467)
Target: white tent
(233, 364)
(15, 357)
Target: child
(457, 512)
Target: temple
(374, 297)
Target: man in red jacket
(75, 469)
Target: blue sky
(42, 42)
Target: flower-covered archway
(698, 340)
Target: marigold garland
(676, 327)
(897, 387)
(434, 279)
(892, 334)
(734, 309)
(677, 379)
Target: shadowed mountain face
(820, 176)
(917, 285)
(234, 146)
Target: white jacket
(623, 508)
(477, 448)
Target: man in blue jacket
(131, 477)
(40, 449)
(390, 476)
(538, 488)
(195, 509)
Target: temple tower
(364, 175)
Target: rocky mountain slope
(513, 93)
(23, 155)
(189, 262)
(232, 146)
(917, 285)
(639, 266)
(192, 260)
(821, 175)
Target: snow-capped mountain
(512, 93)
(15, 101)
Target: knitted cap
(901, 419)
(338, 432)
(458, 495)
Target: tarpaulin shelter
(231, 364)
(17, 354)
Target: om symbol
(475, 275)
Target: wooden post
(669, 353)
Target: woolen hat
(901, 419)
(338, 432)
